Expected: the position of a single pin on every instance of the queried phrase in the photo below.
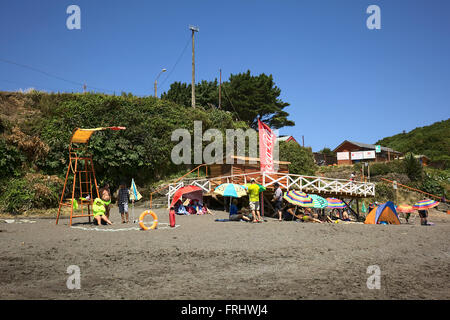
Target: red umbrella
(190, 192)
(405, 208)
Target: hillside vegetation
(432, 141)
(35, 129)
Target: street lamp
(156, 80)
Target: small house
(350, 152)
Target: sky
(341, 79)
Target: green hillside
(35, 129)
(432, 141)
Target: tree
(247, 97)
(250, 97)
(180, 93)
(301, 158)
(413, 167)
(327, 151)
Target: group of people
(102, 206)
(283, 210)
(191, 206)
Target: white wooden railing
(309, 184)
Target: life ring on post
(141, 220)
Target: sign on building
(357, 155)
(378, 148)
(342, 155)
(369, 154)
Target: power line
(176, 63)
(52, 75)
(30, 85)
(237, 115)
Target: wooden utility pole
(220, 88)
(193, 29)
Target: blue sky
(342, 80)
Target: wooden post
(262, 204)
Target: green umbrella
(318, 201)
(261, 187)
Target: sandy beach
(205, 259)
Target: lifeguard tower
(81, 170)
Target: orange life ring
(141, 220)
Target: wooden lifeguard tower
(81, 169)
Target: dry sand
(204, 259)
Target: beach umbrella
(403, 208)
(298, 198)
(318, 201)
(334, 203)
(230, 190)
(261, 187)
(134, 195)
(425, 204)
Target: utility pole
(193, 29)
(220, 88)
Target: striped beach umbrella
(230, 190)
(404, 208)
(318, 201)
(425, 204)
(298, 198)
(334, 203)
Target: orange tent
(384, 213)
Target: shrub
(302, 159)
(10, 160)
(32, 191)
(413, 167)
(384, 192)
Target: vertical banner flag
(266, 145)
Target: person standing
(423, 214)
(124, 198)
(253, 195)
(278, 200)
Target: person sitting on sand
(196, 206)
(105, 195)
(345, 216)
(179, 208)
(308, 216)
(205, 210)
(98, 208)
(290, 212)
(234, 213)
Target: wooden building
(350, 152)
(240, 165)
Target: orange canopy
(83, 135)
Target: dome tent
(383, 213)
